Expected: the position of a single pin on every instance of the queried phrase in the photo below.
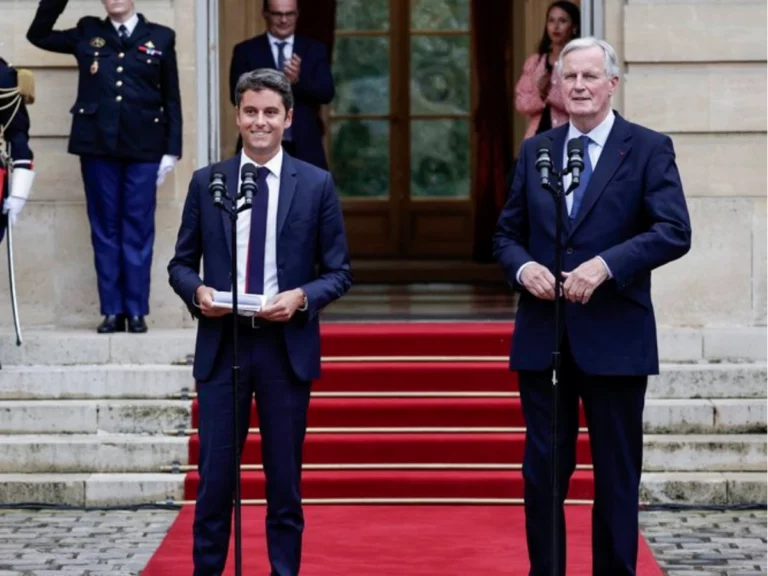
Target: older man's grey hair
(612, 69)
(265, 79)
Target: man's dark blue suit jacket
(311, 254)
(314, 88)
(633, 215)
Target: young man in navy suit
(305, 62)
(292, 248)
(627, 217)
(126, 128)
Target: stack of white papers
(247, 304)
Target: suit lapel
(139, 33)
(617, 147)
(230, 170)
(287, 191)
(262, 54)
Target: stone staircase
(86, 419)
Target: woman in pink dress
(537, 94)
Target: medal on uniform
(97, 42)
(95, 66)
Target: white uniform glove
(167, 164)
(21, 184)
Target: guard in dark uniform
(126, 128)
(15, 154)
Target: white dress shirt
(287, 49)
(271, 287)
(598, 137)
(129, 24)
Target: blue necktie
(254, 280)
(280, 66)
(586, 174)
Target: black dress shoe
(136, 324)
(112, 323)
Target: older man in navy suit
(305, 62)
(627, 217)
(292, 248)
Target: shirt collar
(598, 134)
(130, 24)
(274, 40)
(274, 164)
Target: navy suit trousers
(613, 407)
(282, 402)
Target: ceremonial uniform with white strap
(16, 156)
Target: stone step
(703, 488)
(714, 380)
(662, 416)
(698, 488)
(704, 453)
(705, 416)
(130, 380)
(168, 346)
(89, 453)
(90, 489)
(72, 347)
(131, 453)
(93, 416)
(93, 381)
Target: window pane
(360, 157)
(440, 14)
(440, 158)
(362, 14)
(440, 74)
(361, 74)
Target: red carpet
(389, 540)
(417, 412)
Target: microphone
(217, 187)
(575, 160)
(248, 184)
(544, 159)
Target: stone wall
(696, 70)
(54, 258)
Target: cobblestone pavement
(78, 543)
(120, 543)
(699, 543)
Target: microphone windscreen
(248, 169)
(544, 143)
(576, 144)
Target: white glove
(167, 164)
(21, 184)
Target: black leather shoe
(112, 323)
(136, 324)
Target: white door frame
(592, 16)
(207, 82)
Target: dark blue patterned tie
(280, 66)
(254, 280)
(586, 174)
(123, 33)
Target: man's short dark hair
(265, 79)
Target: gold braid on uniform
(9, 98)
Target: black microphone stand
(232, 209)
(556, 189)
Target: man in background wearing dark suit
(291, 248)
(305, 62)
(627, 217)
